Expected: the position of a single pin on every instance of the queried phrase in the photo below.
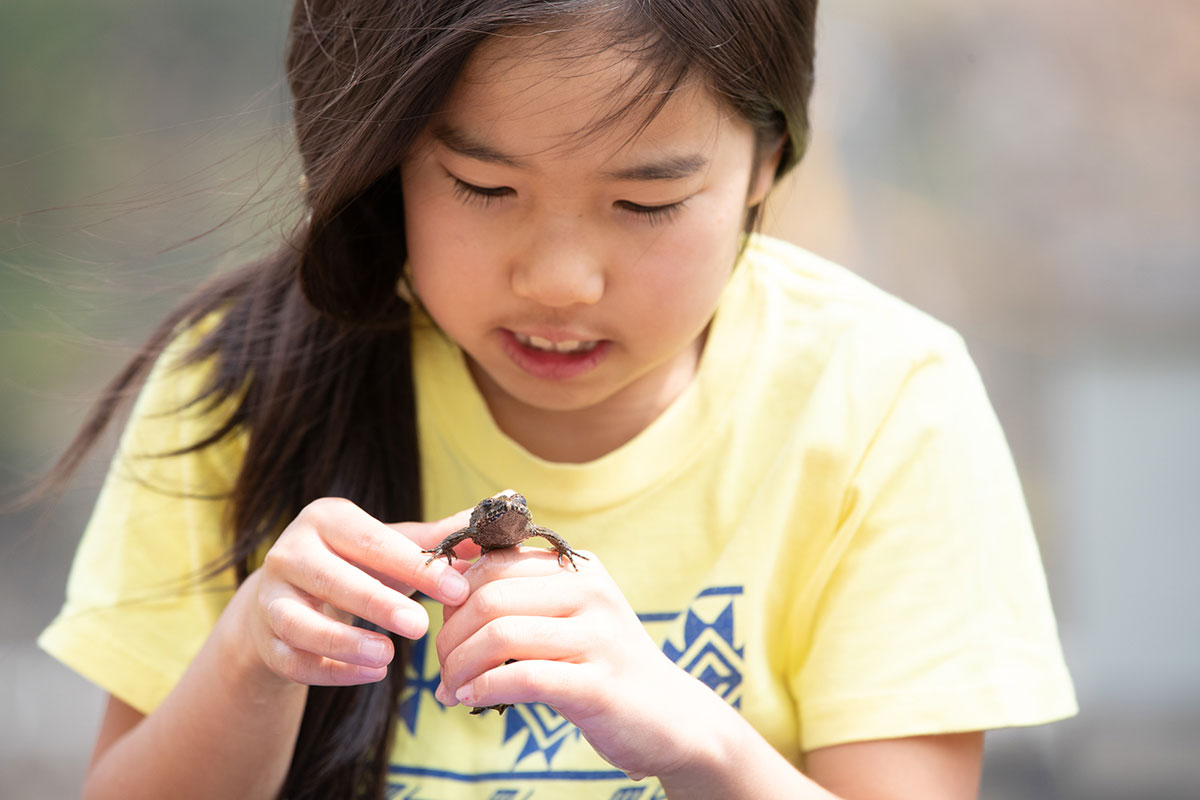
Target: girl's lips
(552, 365)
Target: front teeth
(568, 346)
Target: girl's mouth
(561, 360)
(546, 346)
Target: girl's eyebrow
(465, 145)
(669, 168)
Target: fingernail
(453, 586)
(443, 695)
(466, 694)
(372, 649)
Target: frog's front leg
(446, 548)
(560, 545)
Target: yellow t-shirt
(825, 527)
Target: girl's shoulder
(200, 363)
(814, 302)
(244, 328)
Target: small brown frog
(500, 521)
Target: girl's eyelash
(484, 196)
(653, 215)
(479, 194)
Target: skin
(560, 248)
(563, 248)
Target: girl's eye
(653, 214)
(486, 195)
(481, 195)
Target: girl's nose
(559, 271)
(559, 280)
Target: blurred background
(1026, 171)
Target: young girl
(526, 265)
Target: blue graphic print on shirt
(702, 640)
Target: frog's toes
(439, 552)
(569, 556)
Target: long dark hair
(312, 347)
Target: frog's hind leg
(446, 548)
(560, 545)
(499, 708)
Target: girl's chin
(509, 387)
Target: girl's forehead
(564, 53)
(563, 92)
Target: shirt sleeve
(936, 616)
(139, 600)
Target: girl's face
(577, 272)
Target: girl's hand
(333, 562)
(579, 648)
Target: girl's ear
(764, 175)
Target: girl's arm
(740, 763)
(943, 766)
(579, 648)
(229, 727)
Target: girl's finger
(328, 578)
(427, 535)
(567, 687)
(430, 534)
(310, 669)
(389, 581)
(304, 628)
(514, 638)
(524, 562)
(556, 595)
(356, 536)
(462, 562)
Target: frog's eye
(517, 499)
